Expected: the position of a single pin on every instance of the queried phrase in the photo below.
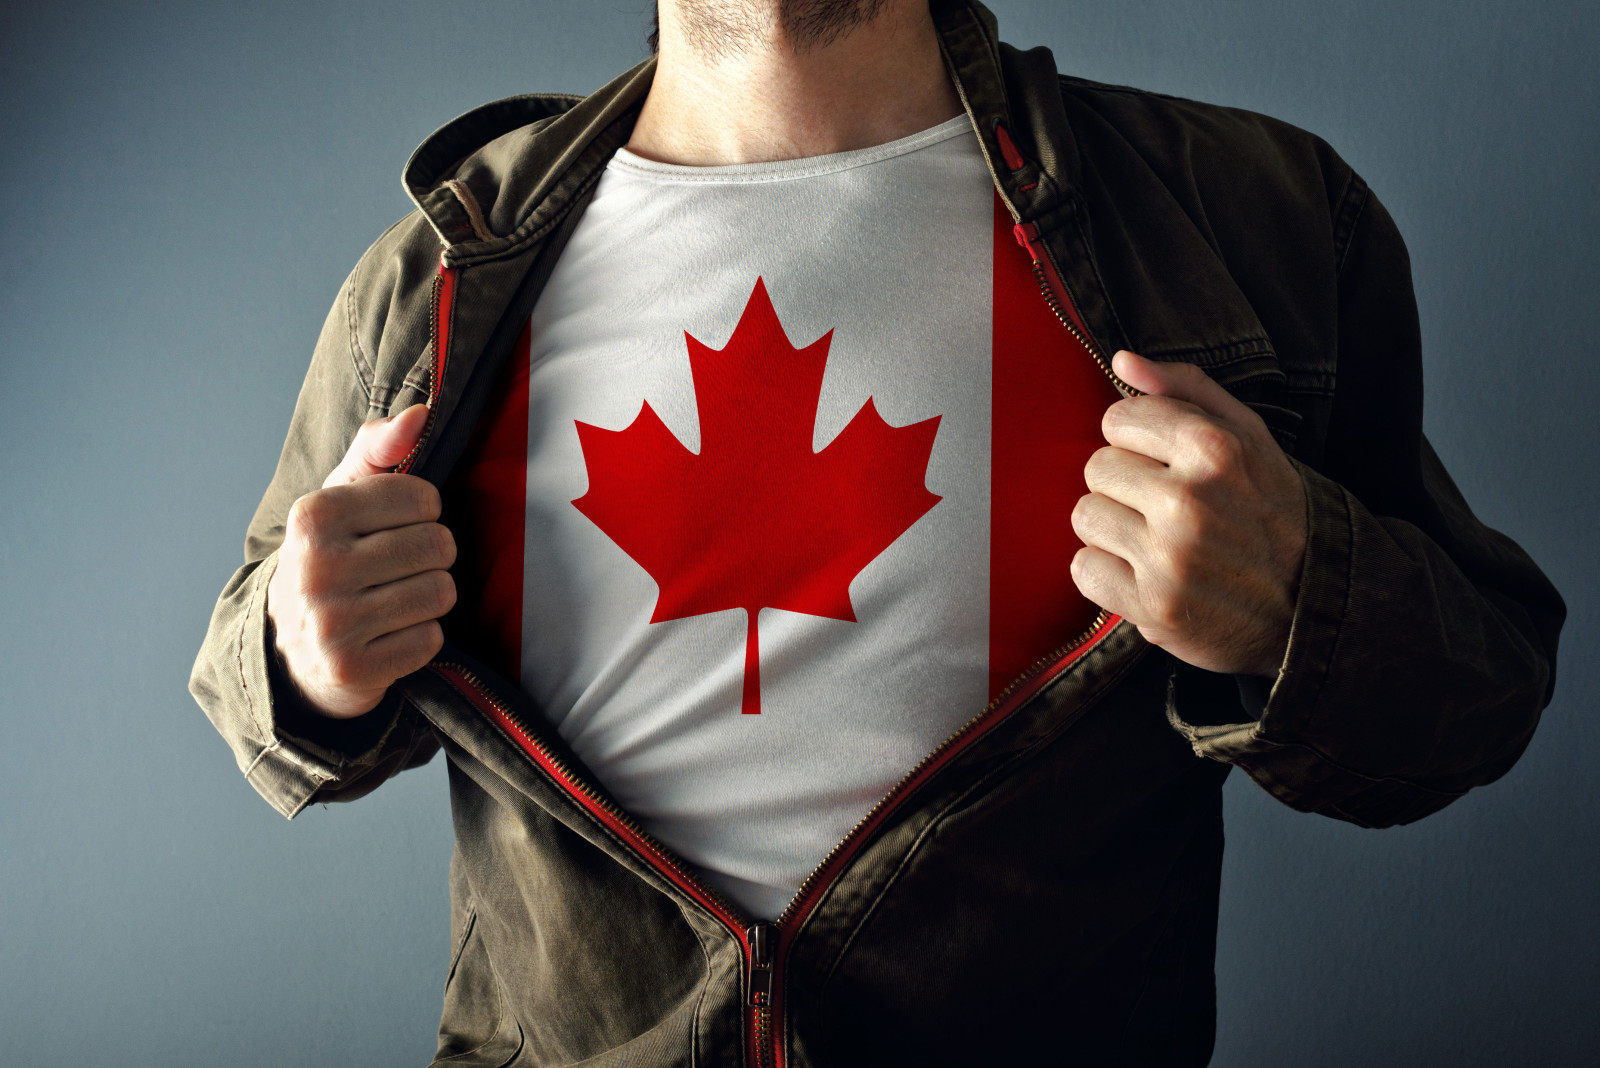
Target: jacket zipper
(1055, 294)
(754, 938)
(811, 891)
(765, 998)
(441, 303)
(765, 944)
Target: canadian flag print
(757, 519)
(812, 456)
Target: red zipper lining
(444, 302)
(801, 911)
(1027, 235)
(651, 854)
(647, 850)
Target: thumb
(379, 445)
(1181, 381)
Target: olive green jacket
(1045, 884)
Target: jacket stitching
(629, 856)
(1377, 780)
(1088, 86)
(1005, 767)
(461, 946)
(273, 748)
(358, 356)
(1344, 607)
(480, 228)
(244, 625)
(705, 987)
(518, 243)
(1351, 209)
(1079, 220)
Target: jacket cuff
(1320, 602)
(1313, 634)
(300, 755)
(1296, 773)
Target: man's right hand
(362, 574)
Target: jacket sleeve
(291, 755)
(1423, 643)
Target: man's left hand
(1194, 525)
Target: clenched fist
(362, 574)
(1194, 527)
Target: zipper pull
(758, 986)
(1025, 234)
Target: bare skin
(363, 574)
(1194, 527)
(734, 85)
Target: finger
(379, 502)
(1155, 427)
(1128, 477)
(1107, 581)
(366, 671)
(1103, 523)
(401, 652)
(394, 606)
(379, 445)
(400, 552)
(1180, 381)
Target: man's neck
(751, 92)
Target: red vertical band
(485, 508)
(1048, 397)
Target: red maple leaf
(756, 519)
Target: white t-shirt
(775, 495)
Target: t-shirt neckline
(790, 169)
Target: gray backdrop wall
(184, 186)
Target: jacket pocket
(476, 1027)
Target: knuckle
(1097, 467)
(1082, 573)
(1186, 517)
(1214, 450)
(1167, 615)
(307, 515)
(417, 646)
(433, 639)
(444, 591)
(314, 576)
(1080, 513)
(1182, 565)
(425, 497)
(1117, 414)
(334, 621)
(441, 545)
(345, 667)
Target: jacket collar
(503, 174)
(1013, 99)
(500, 175)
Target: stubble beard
(722, 28)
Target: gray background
(185, 184)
